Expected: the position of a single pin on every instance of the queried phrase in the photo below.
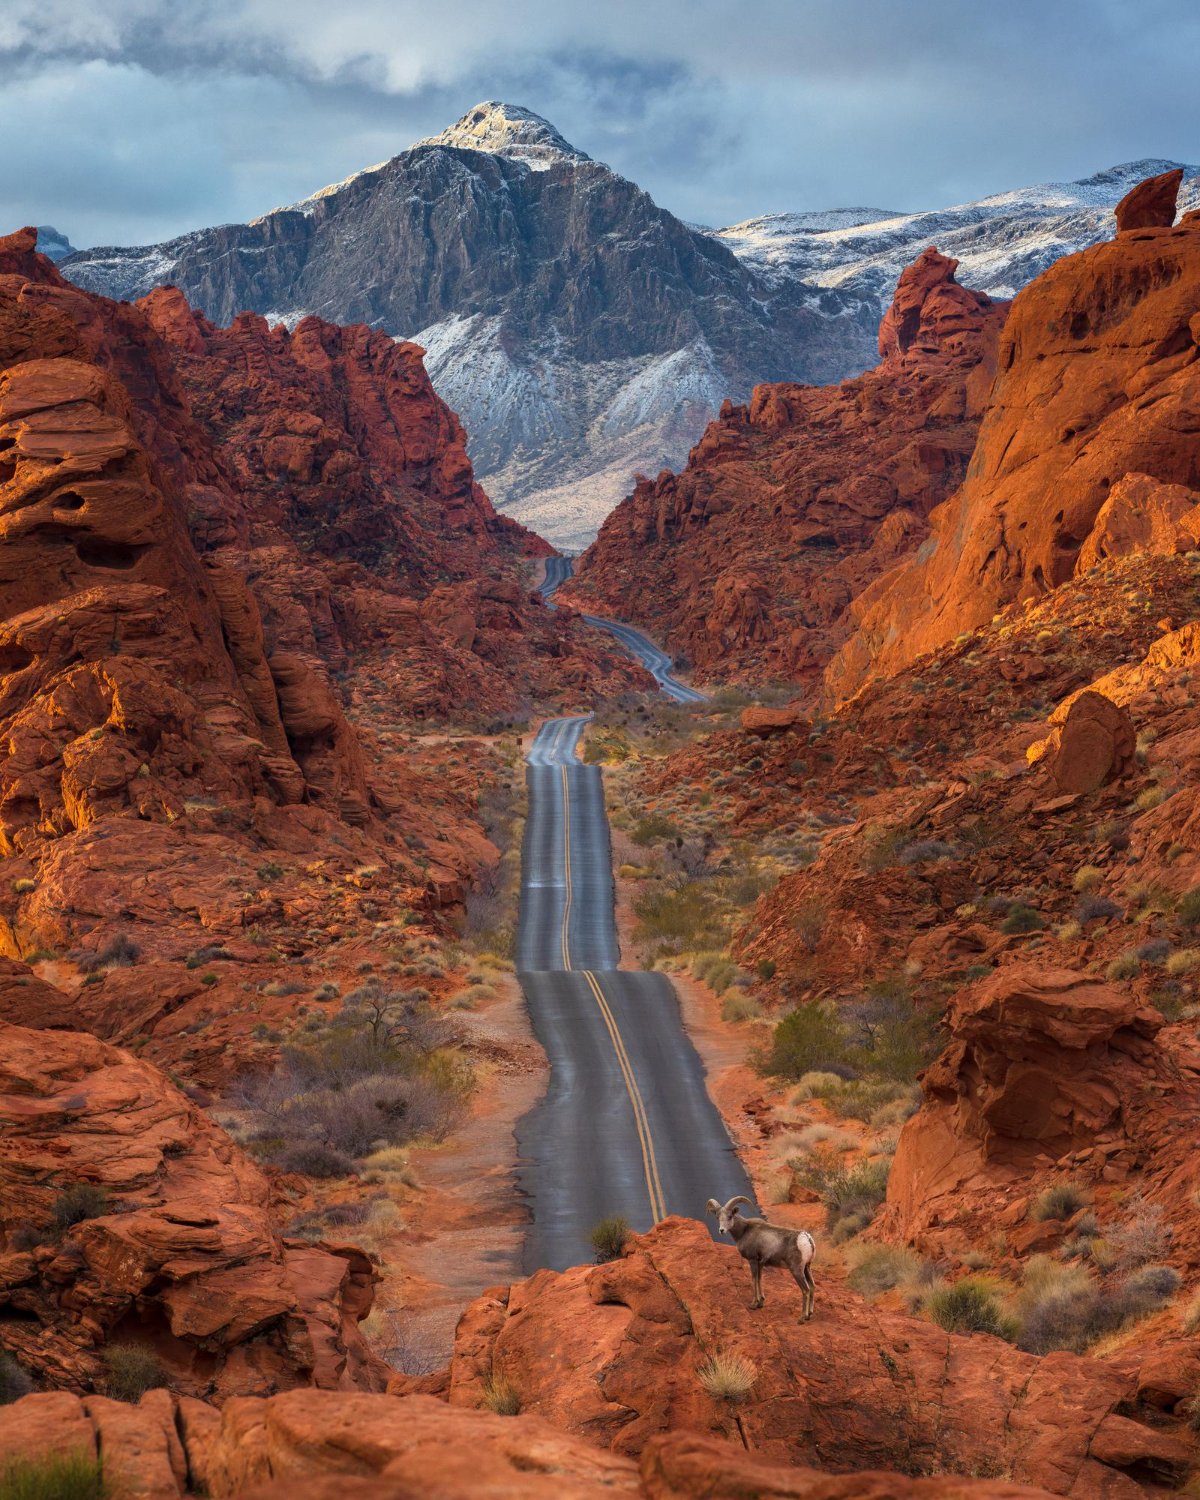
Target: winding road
(626, 1126)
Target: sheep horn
(712, 1206)
(738, 1199)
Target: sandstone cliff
(746, 562)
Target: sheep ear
(713, 1206)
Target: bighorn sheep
(764, 1244)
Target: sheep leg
(801, 1277)
(810, 1293)
(756, 1278)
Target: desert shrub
(1188, 907)
(863, 1099)
(1096, 909)
(969, 1305)
(875, 1269)
(808, 923)
(816, 1085)
(679, 915)
(1183, 962)
(14, 1382)
(728, 1377)
(1145, 1236)
(500, 1396)
(765, 968)
(850, 1195)
(314, 1159)
(1072, 1312)
(608, 1237)
(1086, 879)
(271, 870)
(1191, 1316)
(895, 1037)
(80, 1201)
(1060, 1201)
(654, 828)
(23, 886)
(58, 1476)
(1153, 951)
(1125, 966)
(130, 1371)
(811, 1037)
(121, 953)
(740, 1008)
(1021, 918)
(922, 851)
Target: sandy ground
(471, 1225)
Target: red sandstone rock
(612, 1353)
(1143, 515)
(185, 1256)
(1098, 378)
(763, 722)
(1091, 741)
(1151, 204)
(747, 561)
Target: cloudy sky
(132, 120)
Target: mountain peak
(508, 130)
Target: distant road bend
(626, 1126)
(656, 662)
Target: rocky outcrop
(129, 1217)
(1142, 515)
(1150, 204)
(612, 1353)
(318, 1446)
(1047, 1070)
(763, 722)
(747, 561)
(1091, 741)
(1098, 378)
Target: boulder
(1143, 515)
(763, 723)
(1151, 204)
(1091, 741)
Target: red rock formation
(321, 1446)
(1046, 1069)
(1151, 204)
(1098, 378)
(1091, 740)
(762, 722)
(747, 561)
(1142, 515)
(178, 1251)
(612, 1353)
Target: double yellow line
(658, 1206)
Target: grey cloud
(136, 119)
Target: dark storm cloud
(129, 120)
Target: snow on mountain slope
(1001, 242)
(580, 330)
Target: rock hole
(1079, 325)
(13, 658)
(95, 552)
(69, 500)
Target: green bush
(740, 1007)
(969, 1306)
(130, 1371)
(810, 1038)
(80, 1201)
(608, 1237)
(60, 1476)
(879, 1268)
(1021, 918)
(850, 1195)
(765, 968)
(1188, 909)
(1061, 1201)
(654, 828)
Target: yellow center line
(658, 1207)
(566, 921)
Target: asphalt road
(656, 661)
(626, 1126)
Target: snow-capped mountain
(1001, 243)
(581, 332)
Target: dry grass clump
(59, 1476)
(728, 1377)
(875, 1269)
(1060, 1201)
(501, 1396)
